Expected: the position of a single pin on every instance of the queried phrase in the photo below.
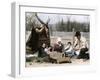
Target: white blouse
(80, 44)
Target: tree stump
(60, 57)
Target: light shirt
(68, 48)
(80, 44)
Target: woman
(80, 45)
(58, 46)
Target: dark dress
(83, 54)
(42, 53)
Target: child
(69, 50)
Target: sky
(54, 18)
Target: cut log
(60, 57)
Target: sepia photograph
(56, 39)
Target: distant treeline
(68, 26)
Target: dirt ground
(74, 62)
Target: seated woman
(44, 54)
(80, 46)
(58, 46)
(42, 51)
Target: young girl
(69, 50)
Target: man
(80, 45)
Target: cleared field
(65, 36)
